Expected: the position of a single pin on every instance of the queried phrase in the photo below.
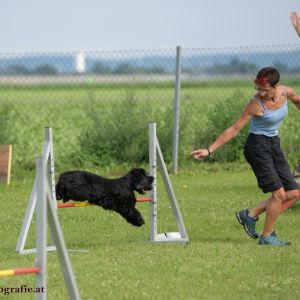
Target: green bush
(290, 135)
(89, 129)
(5, 110)
(9, 121)
(118, 133)
(219, 117)
(225, 113)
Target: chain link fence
(99, 103)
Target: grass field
(220, 262)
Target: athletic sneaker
(247, 222)
(272, 240)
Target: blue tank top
(269, 122)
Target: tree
(100, 68)
(45, 69)
(17, 70)
(125, 68)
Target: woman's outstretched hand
(200, 153)
(296, 21)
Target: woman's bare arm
(293, 96)
(229, 133)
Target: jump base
(170, 237)
(49, 249)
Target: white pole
(41, 229)
(27, 219)
(171, 193)
(152, 172)
(61, 249)
(50, 163)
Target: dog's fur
(112, 194)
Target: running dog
(111, 194)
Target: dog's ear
(134, 171)
(143, 171)
(137, 172)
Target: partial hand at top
(296, 21)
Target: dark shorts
(268, 163)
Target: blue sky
(91, 25)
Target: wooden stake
(5, 163)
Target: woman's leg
(273, 210)
(262, 206)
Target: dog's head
(140, 180)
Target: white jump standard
(155, 155)
(46, 213)
(47, 153)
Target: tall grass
(103, 125)
(119, 133)
(219, 118)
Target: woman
(266, 110)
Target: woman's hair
(267, 75)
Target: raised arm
(292, 95)
(228, 133)
(295, 22)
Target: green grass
(220, 262)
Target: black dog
(112, 194)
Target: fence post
(176, 110)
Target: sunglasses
(267, 90)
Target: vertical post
(152, 172)
(61, 249)
(50, 163)
(176, 110)
(50, 169)
(41, 229)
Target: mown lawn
(220, 262)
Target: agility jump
(154, 154)
(47, 153)
(46, 214)
(289, 203)
(296, 175)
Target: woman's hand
(200, 153)
(295, 21)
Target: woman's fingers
(198, 154)
(294, 18)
